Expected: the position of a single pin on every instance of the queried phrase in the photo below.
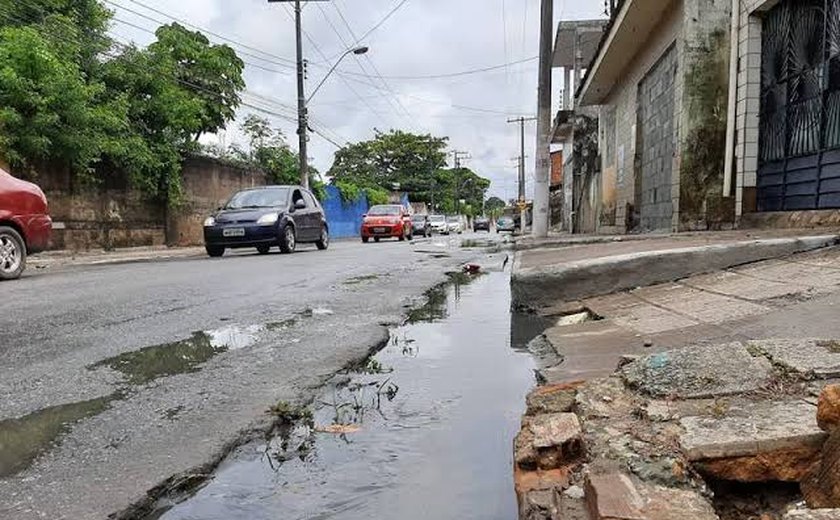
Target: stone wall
(113, 215)
(208, 184)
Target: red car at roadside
(25, 224)
(387, 221)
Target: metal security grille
(799, 129)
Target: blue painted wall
(345, 219)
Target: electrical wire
(368, 58)
(288, 61)
(317, 128)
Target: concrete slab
(616, 496)
(811, 358)
(554, 430)
(698, 305)
(699, 372)
(821, 279)
(752, 429)
(734, 284)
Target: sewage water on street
(423, 430)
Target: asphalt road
(277, 327)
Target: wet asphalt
(114, 378)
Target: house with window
(717, 113)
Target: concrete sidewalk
(552, 274)
(58, 259)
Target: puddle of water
(525, 327)
(424, 431)
(23, 440)
(180, 357)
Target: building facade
(695, 133)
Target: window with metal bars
(800, 106)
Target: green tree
(395, 157)
(417, 163)
(77, 29)
(179, 88)
(48, 112)
(494, 206)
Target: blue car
(266, 217)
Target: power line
(459, 73)
(368, 58)
(240, 102)
(290, 62)
(324, 57)
(150, 31)
(381, 22)
(346, 45)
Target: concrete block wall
(623, 99)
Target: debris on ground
(731, 431)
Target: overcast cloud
(424, 37)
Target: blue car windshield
(262, 198)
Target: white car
(439, 224)
(454, 225)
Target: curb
(543, 286)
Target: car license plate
(379, 230)
(234, 232)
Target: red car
(25, 224)
(387, 221)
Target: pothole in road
(423, 427)
(179, 357)
(22, 440)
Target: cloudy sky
(407, 81)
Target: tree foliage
(494, 206)
(70, 95)
(412, 163)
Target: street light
(302, 99)
(358, 51)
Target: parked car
(506, 224)
(453, 222)
(387, 221)
(25, 224)
(266, 217)
(421, 225)
(439, 225)
(481, 224)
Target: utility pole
(543, 155)
(303, 124)
(522, 202)
(458, 155)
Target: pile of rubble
(732, 431)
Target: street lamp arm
(357, 51)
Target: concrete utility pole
(543, 155)
(522, 202)
(303, 138)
